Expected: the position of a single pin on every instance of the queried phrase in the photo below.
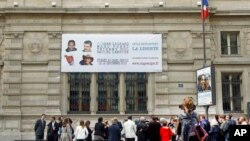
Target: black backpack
(192, 131)
(207, 126)
(189, 133)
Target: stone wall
(30, 47)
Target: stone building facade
(30, 51)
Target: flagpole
(204, 50)
(203, 35)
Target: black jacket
(99, 129)
(39, 127)
(52, 134)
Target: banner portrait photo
(111, 53)
(204, 86)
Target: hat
(88, 56)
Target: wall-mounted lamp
(198, 3)
(106, 4)
(15, 4)
(161, 3)
(53, 4)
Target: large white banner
(111, 53)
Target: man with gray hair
(141, 128)
(114, 131)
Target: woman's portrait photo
(86, 60)
(71, 46)
(204, 83)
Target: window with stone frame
(136, 92)
(231, 92)
(79, 92)
(230, 44)
(108, 99)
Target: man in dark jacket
(114, 131)
(39, 127)
(141, 128)
(153, 130)
(52, 132)
(99, 130)
(226, 126)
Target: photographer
(187, 121)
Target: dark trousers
(141, 137)
(80, 139)
(39, 137)
(52, 137)
(130, 139)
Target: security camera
(160, 3)
(15, 4)
(106, 4)
(53, 4)
(198, 3)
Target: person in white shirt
(129, 129)
(81, 132)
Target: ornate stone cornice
(16, 35)
(54, 35)
(58, 10)
(233, 13)
(144, 10)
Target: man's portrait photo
(86, 60)
(71, 46)
(87, 46)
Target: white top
(81, 132)
(129, 129)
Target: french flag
(204, 12)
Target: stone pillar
(1, 72)
(10, 120)
(122, 94)
(12, 76)
(54, 78)
(151, 96)
(93, 94)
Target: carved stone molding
(197, 34)
(35, 46)
(54, 35)
(14, 35)
(179, 44)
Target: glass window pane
(79, 96)
(233, 43)
(226, 92)
(224, 43)
(136, 94)
(108, 99)
(231, 92)
(236, 92)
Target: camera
(182, 107)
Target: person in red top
(165, 132)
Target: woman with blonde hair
(187, 120)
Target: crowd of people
(178, 128)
